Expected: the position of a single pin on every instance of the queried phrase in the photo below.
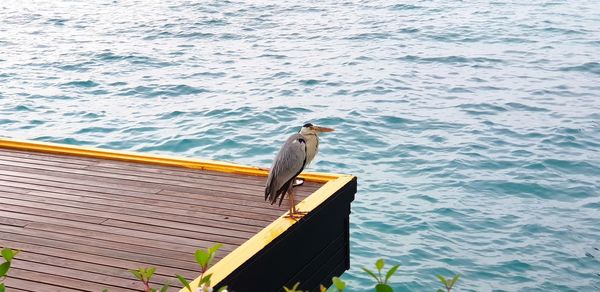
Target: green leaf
(454, 280)
(379, 264)
(1, 287)
(214, 248)
(137, 274)
(222, 289)
(293, 288)
(149, 272)
(184, 282)
(165, 287)
(152, 290)
(339, 284)
(440, 290)
(390, 273)
(4, 268)
(105, 290)
(383, 288)
(202, 258)
(443, 280)
(8, 254)
(371, 273)
(205, 280)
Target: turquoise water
(474, 127)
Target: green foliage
(184, 282)
(144, 274)
(382, 282)
(448, 283)
(8, 255)
(339, 284)
(205, 257)
(293, 289)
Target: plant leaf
(202, 258)
(390, 273)
(1, 287)
(136, 274)
(443, 280)
(339, 284)
(184, 282)
(454, 280)
(440, 290)
(149, 272)
(4, 268)
(205, 280)
(214, 248)
(379, 264)
(371, 273)
(8, 254)
(222, 289)
(165, 287)
(383, 288)
(104, 290)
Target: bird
(297, 153)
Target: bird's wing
(288, 163)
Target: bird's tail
(272, 193)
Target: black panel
(313, 242)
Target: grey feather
(288, 163)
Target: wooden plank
(85, 241)
(160, 200)
(104, 163)
(24, 235)
(91, 184)
(22, 206)
(91, 258)
(58, 202)
(35, 277)
(79, 232)
(26, 285)
(13, 222)
(200, 212)
(131, 176)
(227, 236)
(71, 272)
(187, 196)
(114, 230)
(118, 273)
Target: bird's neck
(312, 147)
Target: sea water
(473, 126)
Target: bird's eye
(301, 141)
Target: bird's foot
(296, 215)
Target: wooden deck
(81, 222)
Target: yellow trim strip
(151, 158)
(240, 255)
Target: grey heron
(296, 153)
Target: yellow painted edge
(193, 163)
(243, 253)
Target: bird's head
(310, 129)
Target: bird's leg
(294, 214)
(294, 210)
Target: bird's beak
(323, 129)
